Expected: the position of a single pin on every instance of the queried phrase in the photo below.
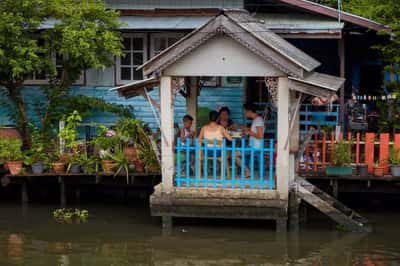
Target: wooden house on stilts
(235, 44)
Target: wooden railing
(210, 165)
(366, 148)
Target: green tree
(330, 3)
(84, 36)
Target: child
(186, 131)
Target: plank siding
(212, 98)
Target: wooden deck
(65, 182)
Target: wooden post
(63, 192)
(24, 192)
(167, 129)
(384, 151)
(282, 163)
(369, 151)
(342, 56)
(191, 101)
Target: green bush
(342, 155)
(10, 150)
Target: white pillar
(167, 128)
(282, 163)
(191, 100)
(294, 140)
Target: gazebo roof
(243, 28)
(252, 35)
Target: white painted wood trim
(118, 58)
(167, 127)
(282, 163)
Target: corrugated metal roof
(163, 23)
(295, 23)
(152, 23)
(321, 80)
(273, 40)
(136, 88)
(150, 4)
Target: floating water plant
(70, 215)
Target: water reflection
(124, 236)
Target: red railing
(365, 148)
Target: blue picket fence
(311, 118)
(212, 164)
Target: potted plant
(89, 164)
(106, 140)
(57, 164)
(341, 161)
(121, 163)
(394, 160)
(12, 155)
(74, 164)
(36, 157)
(379, 169)
(127, 130)
(362, 168)
(69, 135)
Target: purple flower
(110, 133)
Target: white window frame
(80, 81)
(167, 35)
(118, 58)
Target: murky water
(129, 236)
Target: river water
(116, 235)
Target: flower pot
(74, 168)
(395, 170)
(122, 172)
(10, 133)
(58, 167)
(130, 154)
(339, 170)
(37, 168)
(362, 170)
(15, 167)
(379, 171)
(139, 167)
(108, 166)
(66, 156)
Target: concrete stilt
(167, 225)
(281, 225)
(294, 208)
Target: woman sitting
(224, 118)
(212, 131)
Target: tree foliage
(386, 12)
(330, 3)
(84, 36)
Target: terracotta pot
(139, 166)
(130, 154)
(108, 166)
(66, 156)
(10, 133)
(58, 167)
(379, 171)
(15, 167)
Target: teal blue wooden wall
(213, 98)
